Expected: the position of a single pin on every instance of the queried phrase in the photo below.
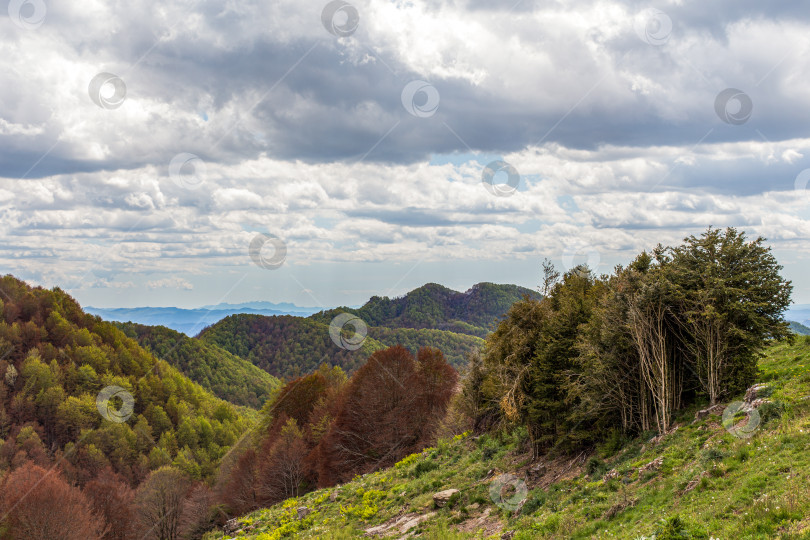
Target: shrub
(675, 528)
(423, 467)
(771, 410)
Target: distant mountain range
(799, 313)
(191, 321)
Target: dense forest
(475, 312)
(288, 346)
(100, 439)
(284, 346)
(92, 425)
(620, 354)
(225, 375)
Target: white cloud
(170, 283)
(305, 137)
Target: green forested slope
(284, 346)
(226, 375)
(55, 360)
(430, 316)
(473, 312)
(288, 346)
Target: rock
(756, 391)
(536, 471)
(334, 495)
(441, 498)
(303, 512)
(704, 413)
(231, 525)
(654, 465)
(508, 535)
(413, 522)
(611, 474)
(658, 438)
(759, 402)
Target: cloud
(170, 283)
(303, 135)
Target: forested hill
(106, 419)
(225, 375)
(288, 346)
(432, 315)
(475, 312)
(284, 346)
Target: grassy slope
(741, 488)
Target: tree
(282, 472)
(650, 315)
(732, 299)
(112, 498)
(389, 409)
(159, 500)
(38, 503)
(237, 488)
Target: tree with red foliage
(38, 503)
(296, 400)
(438, 381)
(282, 472)
(236, 486)
(388, 410)
(198, 516)
(112, 498)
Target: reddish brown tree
(236, 486)
(197, 516)
(388, 410)
(437, 383)
(282, 472)
(112, 498)
(38, 503)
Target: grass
(711, 484)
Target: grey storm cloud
(304, 95)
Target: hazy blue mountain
(799, 313)
(191, 321)
(285, 307)
(799, 328)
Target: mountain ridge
(429, 316)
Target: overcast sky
(144, 146)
